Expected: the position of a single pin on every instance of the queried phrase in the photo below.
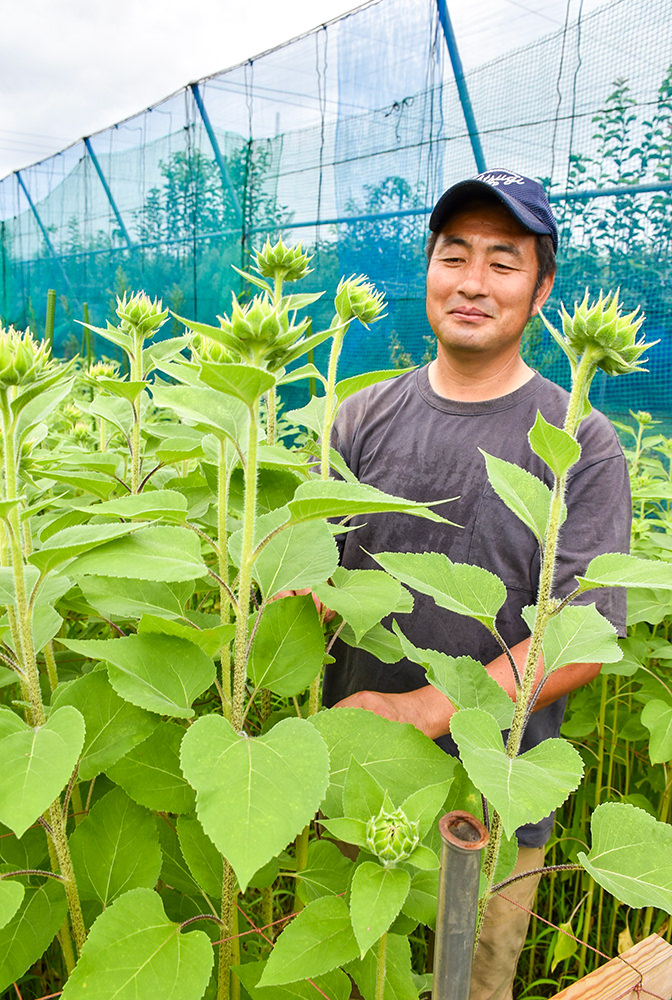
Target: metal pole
(461, 83)
(45, 234)
(49, 321)
(463, 838)
(219, 159)
(108, 192)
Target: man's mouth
(468, 312)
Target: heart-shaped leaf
(36, 766)
(522, 789)
(254, 795)
(115, 848)
(631, 855)
(579, 634)
(377, 896)
(318, 940)
(288, 647)
(133, 950)
(554, 445)
(162, 673)
(25, 938)
(11, 897)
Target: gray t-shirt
(402, 437)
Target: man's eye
(502, 267)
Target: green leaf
(311, 415)
(378, 641)
(466, 590)
(579, 634)
(36, 765)
(399, 984)
(115, 848)
(163, 554)
(396, 754)
(129, 391)
(361, 596)
(135, 598)
(318, 499)
(554, 446)
(565, 945)
(657, 717)
(221, 415)
(335, 985)
(423, 805)
(631, 855)
(158, 672)
(117, 412)
(524, 789)
(297, 557)
(71, 542)
(210, 640)
(351, 385)
(614, 569)
(30, 931)
(150, 772)
(11, 897)
(113, 726)
(205, 862)
(244, 382)
(343, 828)
(133, 950)
(305, 371)
(288, 646)
(318, 939)
(149, 506)
(644, 605)
(463, 680)
(40, 399)
(422, 901)
(376, 898)
(363, 796)
(327, 872)
(523, 493)
(254, 795)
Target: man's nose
(473, 278)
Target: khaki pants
(503, 933)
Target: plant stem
(223, 485)
(381, 967)
(576, 408)
(245, 578)
(135, 359)
(225, 950)
(329, 401)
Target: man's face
(481, 280)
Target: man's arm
(430, 711)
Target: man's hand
(426, 708)
(325, 613)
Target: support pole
(49, 321)
(463, 838)
(45, 234)
(461, 83)
(106, 188)
(219, 159)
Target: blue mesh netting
(343, 139)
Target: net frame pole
(106, 189)
(461, 83)
(41, 226)
(219, 159)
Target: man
(491, 265)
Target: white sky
(69, 68)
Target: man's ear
(542, 294)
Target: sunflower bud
(600, 328)
(357, 299)
(140, 316)
(103, 369)
(280, 261)
(22, 358)
(392, 836)
(207, 349)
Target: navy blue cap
(524, 198)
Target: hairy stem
(245, 578)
